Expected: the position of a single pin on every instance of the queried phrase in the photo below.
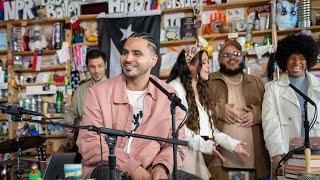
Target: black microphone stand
(306, 129)
(111, 139)
(175, 135)
(175, 101)
(18, 118)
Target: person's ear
(154, 61)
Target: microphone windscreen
(308, 177)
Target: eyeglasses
(235, 54)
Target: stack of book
(297, 165)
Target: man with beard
(237, 99)
(131, 103)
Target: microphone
(18, 111)
(171, 96)
(302, 95)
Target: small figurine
(37, 40)
(42, 12)
(35, 174)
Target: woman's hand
(240, 150)
(217, 153)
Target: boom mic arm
(18, 111)
(171, 96)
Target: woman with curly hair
(189, 78)
(283, 111)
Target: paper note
(235, 14)
(172, 19)
(63, 55)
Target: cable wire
(183, 121)
(101, 155)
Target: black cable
(314, 119)
(183, 121)
(285, 158)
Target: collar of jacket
(217, 76)
(314, 82)
(120, 90)
(91, 83)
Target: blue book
(3, 40)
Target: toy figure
(37, 40)
(78, 34)
(35, 174)
(286, 16)
(42, 12)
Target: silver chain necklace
(231, 81)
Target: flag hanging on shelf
(114, 29)
(75, 22)
(37, 58)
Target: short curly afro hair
(302, 44)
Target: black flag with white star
(114, 29)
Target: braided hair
(152, 44)
(181, 70)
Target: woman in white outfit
(283, 110)
(189, 78)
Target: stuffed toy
(37, 40)
(286, 16)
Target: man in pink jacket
(129, 102)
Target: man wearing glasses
(237, 99)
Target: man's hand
(140, 174)
(159, 171)
(247, 118)
(240, 150)
(217, 153)
(275, 161)
(230, 116)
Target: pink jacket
(107, 106)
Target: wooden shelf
(39, 84)
(30, 53)
(216, 36)
(177, 42)
(295, 30)
(87, 17)
(235, 4)
(86, 44)
(164, 76)
(3, 100)
(55, 115)
(3, 24)
(316, 67)
(33, 22)
(3, 117)
(217, 6)
(225, 35)
(3, 52)
(176, 10)
(54, 136)
(50, 68)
